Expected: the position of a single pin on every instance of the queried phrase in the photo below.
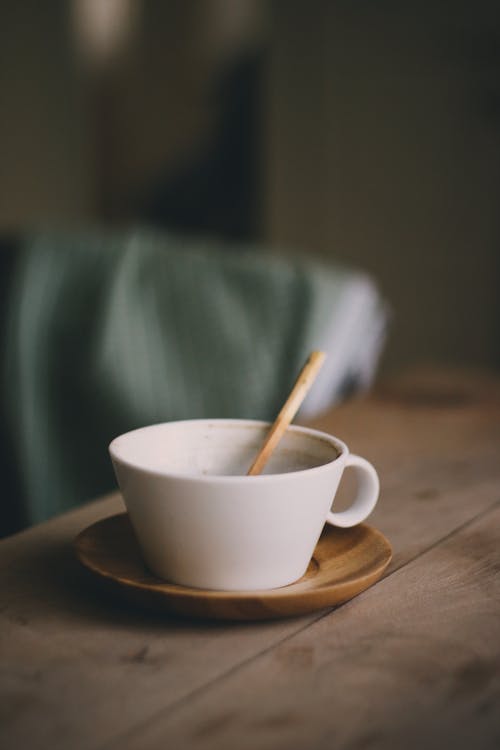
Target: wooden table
(414, 662)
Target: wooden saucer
(345, 562)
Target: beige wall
(381, 153)
(381, 140)
(45, 165)
(83, 129)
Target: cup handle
(366, 498)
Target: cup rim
(332, 440)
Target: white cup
(201, 522)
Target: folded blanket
(111, 331)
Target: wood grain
(79, 670)
(412, 663)
(345, 562)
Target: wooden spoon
(288, 410)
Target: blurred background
(363, 132)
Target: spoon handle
(288, 410)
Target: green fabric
(108, 332)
